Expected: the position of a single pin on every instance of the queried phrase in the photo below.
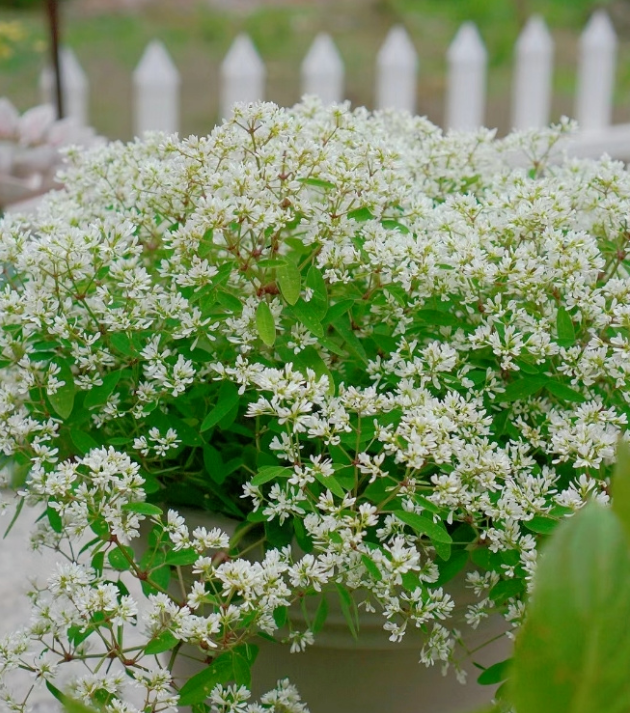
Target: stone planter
(339, 674)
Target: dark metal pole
(52, 10)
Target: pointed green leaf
(573, 652)
(82, 440)
(304, 313)
(344, 329)
(118, 560)
(564, 392)
(290, 282)
(522, 388)
(318, 304)
(541, 525)
(62, 400)
(349, 610)
(270, 472)
(98, 395)
(320, 615)
(265, 324)
(564, 325)
(372, 567)
(198, 688)
(164, 642)
(227, 399)
(425, 526)
(495, 674)
(142, 508)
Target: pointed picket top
(242, 59)
(396, 72)
(156, 92)
(466, 94)
(74, 83)
(323, 70)
(535, 39)
(596, 73)
(156, 67)
(242, 75)
(531, 98)
(599, 32)
(467, 47)
(397, 50)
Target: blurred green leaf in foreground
(573, 653)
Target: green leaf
(242, 670)
(281, 616)
(164, 642)
(98, 395)
(122, 343)
(62, 400)
(304, 314)
(353, 344)
(338, 309)
(361, 214)
(372, 567)
(54, 519)
(564, 392)
(290, 282)
(265, 324)
(316, 182)
(270, 472)
(309, 358)
(18, 510)
(425, 526)
(349, 610)
(227, 399)
(541, 525)
(522, 388)
(332, 484)
(118, 560)
(620, 486)
(451, 568)
(495, 674)
(319, 299)
(181, 558)
(573, 652)
(72, 705)
(98, 562)
(82, 440)
(142, 508)
(197, 688)
(564, 325)
(231, 303)
(320, 615)
(506, 589)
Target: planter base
(372, 681)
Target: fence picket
(396, 72)
(322, 70)
(156, 91)
(466, 94)
(596, 73)
(242, 75)
(74, 85)
(531, 91)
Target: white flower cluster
(405, 351)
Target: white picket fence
(156, 81)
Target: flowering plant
(407, 352)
